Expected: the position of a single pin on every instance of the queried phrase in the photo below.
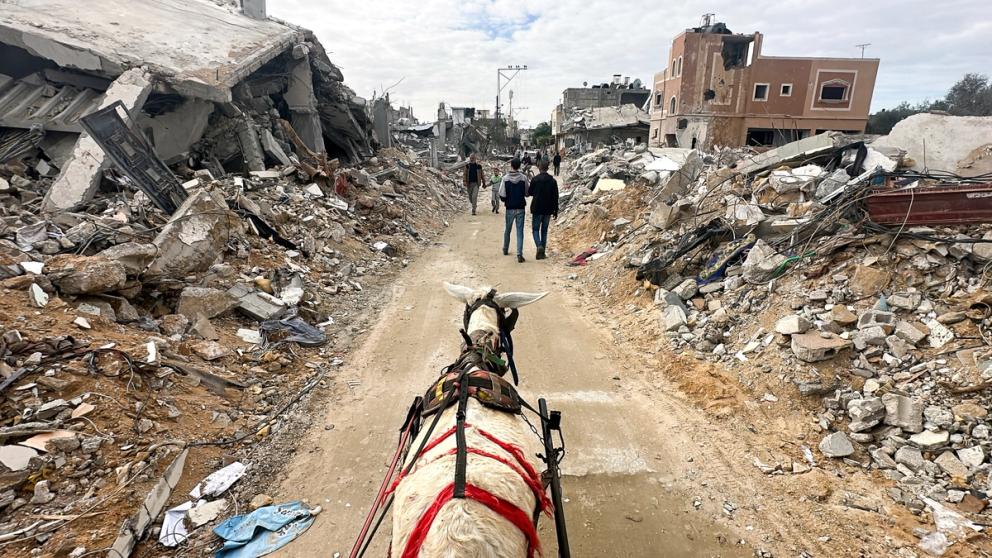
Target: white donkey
(495, 518)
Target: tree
(882, 121)
(542, 135)
(972, 96)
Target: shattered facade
(719, 90)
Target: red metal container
(943, 204)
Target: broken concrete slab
(16, 458)
(205, 301)
(904, 412)
(134, 256)
(836, 445)
(928, 440)
(797, 150)
(868, 281)
(152, 506)
(210, 350)
(865, 413)
(257, 304)
(85, 274)
(273, 149)
(762, 261)
(952, 465)
(195, 236)
(817, 346)
(81, 175)
(791, 325)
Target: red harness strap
(506, 509)
(526, 471)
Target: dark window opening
(657, 100)
(768, 137)
(709, 95)
(786, 89)
(671, 106)
(760, 91)
(833, 92)
(760, 137)
(693, 142)
(671, 140)
(683, 123)
(735, 51)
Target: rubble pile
(128, 333)
(791, 268)
(184, 256)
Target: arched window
(680, 65)
(675, 69)
(671, 105)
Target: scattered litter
(219, 481)
(264, 530)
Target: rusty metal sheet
(944, 204)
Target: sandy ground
(648, 472)
(616, 481)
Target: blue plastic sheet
(264, 530)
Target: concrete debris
(76, 275)
(836, 445)
(195, 236)
(205, 301)
(39, 298)
(814, 347)
(791, 325)
(879, 323)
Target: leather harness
(478, 373)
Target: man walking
(472, 178)
(544, 206)
(513, 192)
(557, 161)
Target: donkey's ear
(516, 300)
(460, 292)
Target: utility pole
(862, 46)
(500, 76)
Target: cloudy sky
(449, 50)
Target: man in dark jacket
(473, 177)
(557, 162)
(544, 206)
(513, 192)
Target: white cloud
(449, 50)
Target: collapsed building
(586, 129)
(206, 83)
(578, 101)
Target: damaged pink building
(719, 89)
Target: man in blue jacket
(513, 191)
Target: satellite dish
(585, 84)
(636, 84)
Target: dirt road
(622, 499)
